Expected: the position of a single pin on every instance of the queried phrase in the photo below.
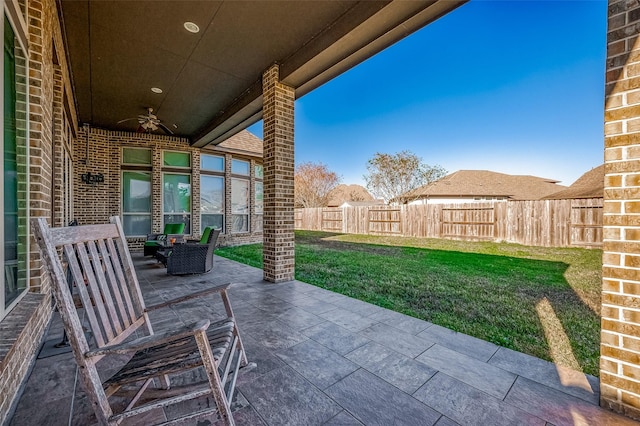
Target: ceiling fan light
(191, 27)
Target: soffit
(211, 81)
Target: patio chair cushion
(154, 241)
(174, 228)
(205, 234)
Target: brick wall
(42, 15)
(620, 339)
(278, 159)
(58, 148)
(20, 338)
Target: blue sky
(511, 86)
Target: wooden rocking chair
(100, 263)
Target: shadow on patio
(326, 359)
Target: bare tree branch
(313, 183)
(391, 176)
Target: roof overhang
(212, 80)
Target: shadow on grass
(522, 304)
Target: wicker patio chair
(155, 241)
(192, 257)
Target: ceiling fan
(149, 122)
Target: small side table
(164, 250)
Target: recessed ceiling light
(156, 90)
(191, 27)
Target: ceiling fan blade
(165, 128)
(127, 119)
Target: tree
(356, 196)
(391, 176)
(313, 182)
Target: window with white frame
(136, 156)
(212, 191)
(211, 201)
(136, 191)
(240, 167)
(176, 159)
(176, 188)
(212, 163)
(259, 171)
(239, 205)
(240, 195)
(136, 203)
(13, 177)
(176, 199)
(258, 198)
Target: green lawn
(541, 301)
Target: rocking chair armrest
(150, 341)
(216, 289)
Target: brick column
(279, 247)
(620, 339)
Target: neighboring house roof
(589, 185)
(243, 142)
(363, 203)
(346, 193)
(484, 183)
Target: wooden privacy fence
(547, 223)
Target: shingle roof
(342, 193)
(589, 185)
(365, 203)
(484, 183)
(243, 141)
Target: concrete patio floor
(326, 359)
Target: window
(239, 205)
(212, 191)
(176, 159)
(212, 163)
(240, 167)
(259, 207)
(211, 201)
(259, 198)
(176, 195)
(136, 203)
(136, 191)
(136, 156)
(13, 176)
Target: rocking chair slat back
(115, 275)
(100, 275)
